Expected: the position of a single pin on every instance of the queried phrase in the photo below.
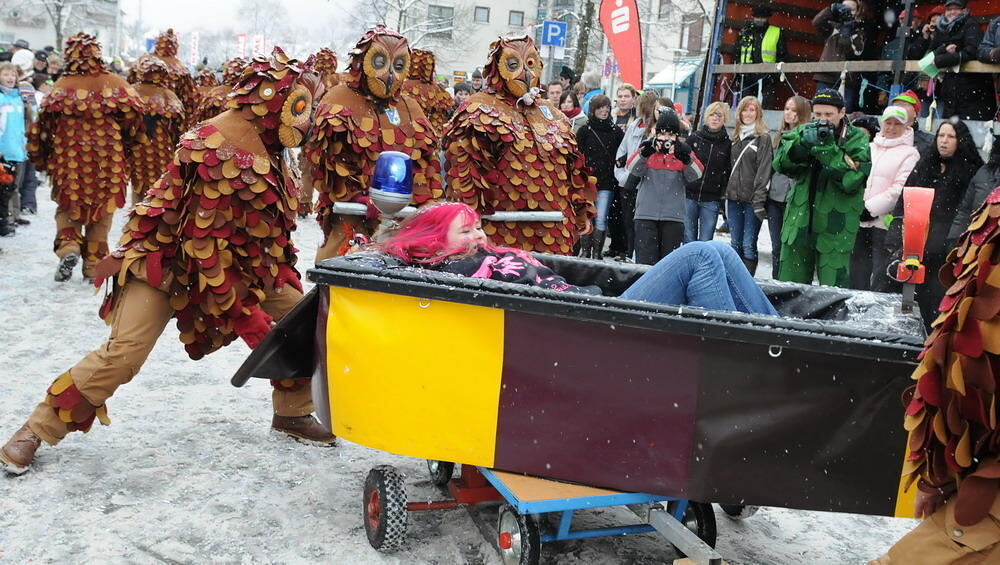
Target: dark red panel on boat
(597, 404)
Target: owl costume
(433, 100)
(86, 127)
(163, 115)
(209, 246)
(214, 101)
(180, 80)
(355, 121)
(508, 150)
(324, 64)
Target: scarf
(945, 25)
(572, 113)
(598, 124)
(747, 131)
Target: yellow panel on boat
(414, 376)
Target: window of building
(482, 15)
(516, 18)
(666, 7)
(441, 21)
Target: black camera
(824, 130)
(664, 145)
(840, 12)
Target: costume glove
(286, 274)
(253, 327)
(810, 136)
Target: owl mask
(380, 62)
(514, 66)
(278, 92)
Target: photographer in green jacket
(830, 161)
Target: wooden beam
(837, 66)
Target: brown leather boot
(303, 428)
(19, 451)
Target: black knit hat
(761, 11)
(961, 3)
(668, 122)
(567, 73)
(829, 97)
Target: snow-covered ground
(189, 473)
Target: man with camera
(830, 161)
(842, 25)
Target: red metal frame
(470, 488)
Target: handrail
(837, 66)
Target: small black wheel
(699, 518)
(517, 537)
(384, 508)
(739, 511)
(441, 472)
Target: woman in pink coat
(893, 157)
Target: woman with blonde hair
(797, 111)
(703, 197)
(746, 191)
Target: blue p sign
(554, 33)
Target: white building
(31, 22)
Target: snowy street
(189, 473)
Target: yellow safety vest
(768, 47)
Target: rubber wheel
(700, 519)
(517, 537)
(739, 511)
(384, 508)
(441, 472)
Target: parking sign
(554, 33)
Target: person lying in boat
(448, 237)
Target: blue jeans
(699, 220)
(743, 228)
(604, 198)
(707, 274)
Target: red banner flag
(620, 21)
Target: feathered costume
(508, 150)
(181, 81)
(433, 100)
(217, 226)
(954, 440)
(215, 100)
(85, 128)
(324, 64)
(163, 115)
(358, 119)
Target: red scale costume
(358, 119)
(85, 127)
(509, 150)
(214, 101)
(325, 66)
(210, 246)
(181, 82)
(432, 99)
(951, 413)
(163, 117)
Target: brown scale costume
(163, 115)
(509, 150)
(85, 128)
(433, 100)
(324, 64)
(215, 100)
(358, 119)
(210, 246)
(181, 82)
(951, 413)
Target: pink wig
(423, 237)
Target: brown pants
(344, 228)
(939, 540)
(140, 315)
(91, 242)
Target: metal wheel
(384, 508)
(441, 472)
(739, 511)
(699, 518)
(517, 538)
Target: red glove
(286, 274)
(253, 327)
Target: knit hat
(22, 44)
(668, 122)
(829, 97)
(761, 11)
(892, 112)
(567, 73)
(961, 3)
(477, 74)
(910, 98)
